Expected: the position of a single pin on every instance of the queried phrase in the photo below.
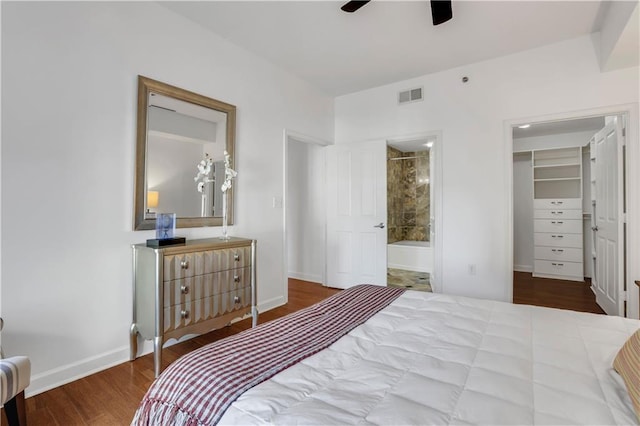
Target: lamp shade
(152, 199)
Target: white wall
(558, 78)
(305, 203)
(522, 212)
(69, 73)
(560, 140)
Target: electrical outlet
(472, 269)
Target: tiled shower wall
(407, 196)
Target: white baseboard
(314, 278)
(77, 370)
(523, 268)
(267, 305)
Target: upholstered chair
(15, 376)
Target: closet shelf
(549, 166)
(555, 179)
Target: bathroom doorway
(410, 218)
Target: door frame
(437, 281)
(296, 137)
(632, 192)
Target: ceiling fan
(440, 9)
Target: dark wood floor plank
(572, 295)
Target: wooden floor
(576, 296)
(111, 397)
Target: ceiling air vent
(411, 95)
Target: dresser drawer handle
(557, 264)
(184, 289)
(236, 278)
(184, 264)
(557, 250)
(557, 236)
(184, 314)
(556, 202)
(557, 222)
(236, 299)
(236, 257)
(557, 212)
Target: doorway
(567, 176)
(304, 209)
(409, 220)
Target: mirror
(181, 140)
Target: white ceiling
(386, 41)
(557, 127)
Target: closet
(557, 213)
(569, 205)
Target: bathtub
(410, 255)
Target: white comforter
(436, 359)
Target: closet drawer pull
(557, 264)
(236, 279)
(236, 299)
(557, 236)
(557, 202)
(184, 289)
(184, 314)
(557, 250)
(236, 257)
(557, 212)
(184, 264)
(557, 222)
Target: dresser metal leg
(133, 342)
(254, 314)
(157, 355)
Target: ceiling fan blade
(440, 11)
(354, 5)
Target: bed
(413, 358)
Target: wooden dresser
(190, 289)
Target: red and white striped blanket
(199, 387)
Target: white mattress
(437, 359)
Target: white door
(356, 214)
(608, 209)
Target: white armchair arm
(15, 376)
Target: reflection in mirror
(182, 137)
(179, 136)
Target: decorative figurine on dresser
(191, 288)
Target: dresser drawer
(195, 311)
(557, 214)
(232, 279)
(557, 203)
(557, 240)
(565, 226)
(178, 266)
(237, 299)
(559, 254)
(560, 268)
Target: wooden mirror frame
(145, 87)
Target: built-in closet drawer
(557, 214)
(557, 240)
(559, 253)
(565, 226)
(557, 203)
(558, 268)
